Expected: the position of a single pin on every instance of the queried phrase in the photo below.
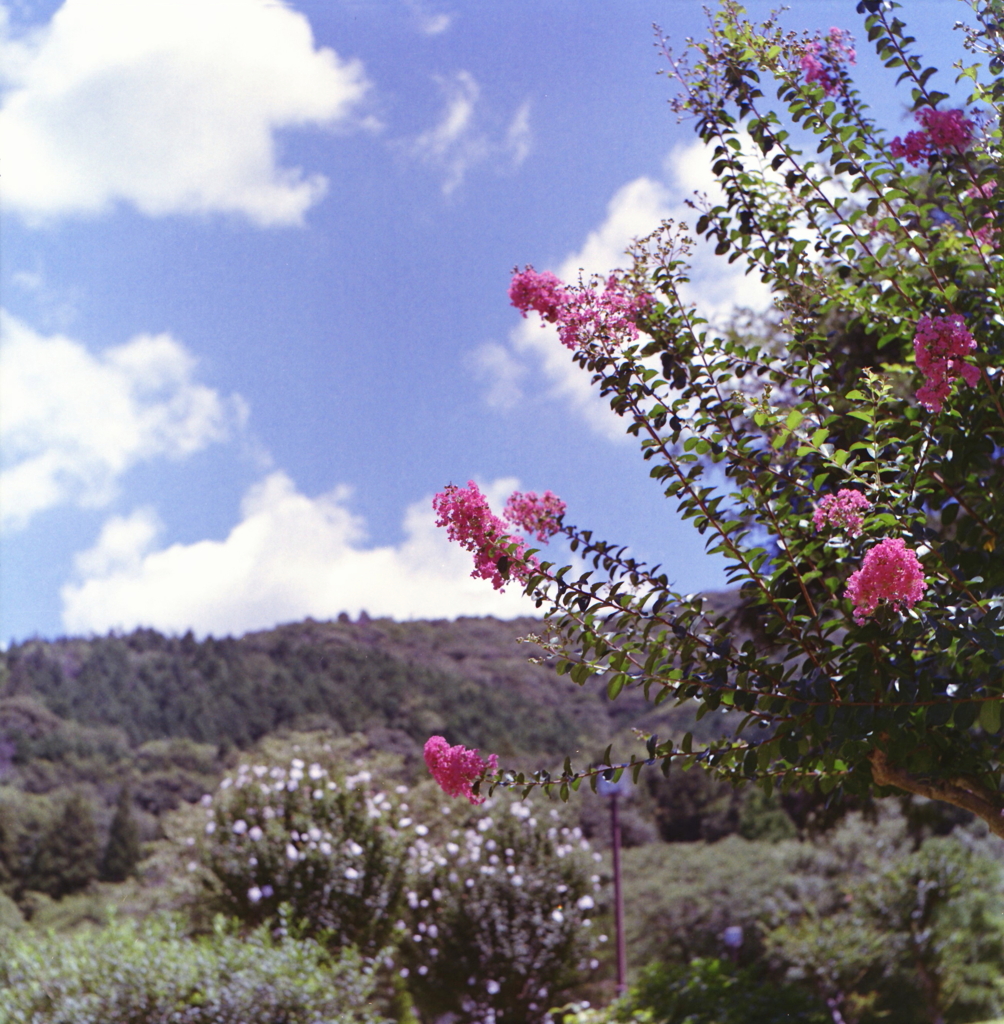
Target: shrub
(327, 848)
(156, 974)
(499, 914)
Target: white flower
(259, 770)
(253, 862)
(297, 763)
(254, 894)
(210, 827)
(326, 848)
(354, 848)
(255, 833)
(423, 969)
(292, 785)
(206, 800)
(314, 832)
(517, 879)
(318, 793)
(351, 874)
(421, 830)
(557, 917)
(240, 826)
(437, 894)
(452, 849)
(492, 986)
(191, 865)
(586, 903)
(404, 822)
(484, 824)
(292, 853)
(226, 783)
(316, 772)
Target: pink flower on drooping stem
(944, 131)
(941, 345)
(821, 59)
(469, 521)
(542, 292)
(583, 314)
(890, 572)
(455, 768)
(844, 509)
(537, 515)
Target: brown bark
(969, 794)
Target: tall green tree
(66, 858)
(122, 851)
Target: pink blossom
(891, 572)
(943, 132)
(544, 293)
(844, 509)
(584, 315)
(941, 345)
(540, 516)
(821, 60)
(455, 768)
(469, 521)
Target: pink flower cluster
(469, 521)
(544, 293)
(844, 509)
(537, 515)
(821, 60)
(455, 768)
(941, 345)
(943, 132)
(584, 316)
(890, 572)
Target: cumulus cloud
(73, 422)
(455, 143)
(168, 105)
(290, 556)
(634, 211)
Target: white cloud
(635, 210)
(455, 144)
(72, 422)
(495, 365)
(430, 23)
(168, 105)
(290, 556)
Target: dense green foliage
(715, 992)
(158, 974)
(467, 678)
(122, 851)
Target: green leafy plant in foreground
(156, 973)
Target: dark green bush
(708, 991)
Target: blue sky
(255, 260)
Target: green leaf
(990, 715)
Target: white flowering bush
(499, 912)
(329, 848)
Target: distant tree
(66, 859)
(122, 850)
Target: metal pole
(615, 830)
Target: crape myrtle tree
(850, 471)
